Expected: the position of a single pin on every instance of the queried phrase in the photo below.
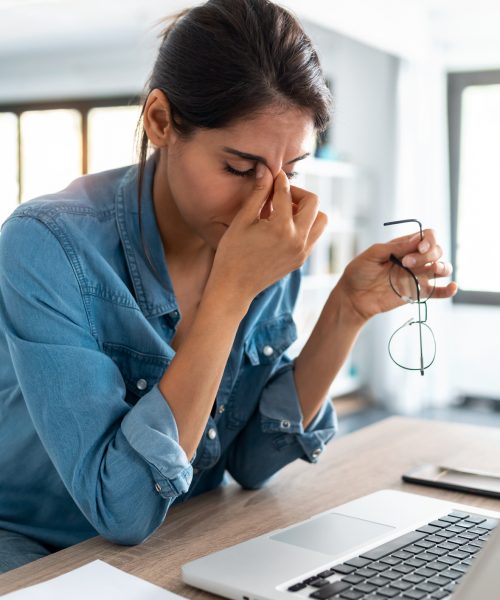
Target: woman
(145, 313)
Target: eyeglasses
(415, 332)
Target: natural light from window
(111, 141)
(479, 190)
(9, 190)
(51, 150)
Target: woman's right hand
(256, 252)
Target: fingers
(447, 291)
(306, 211)
(282, 199)
(435, 270)
(263, 186)
(316, 230)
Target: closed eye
(250, 172)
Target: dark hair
(229, 59)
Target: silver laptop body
(265, 567)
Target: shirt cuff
(150, 428)
(281, 413)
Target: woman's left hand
(365, 281)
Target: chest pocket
(262, 350)
(140, 371)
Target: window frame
(457, 82)
(84, 106)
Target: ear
(157, 119)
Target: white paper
(97, 581)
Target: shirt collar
(152, 284)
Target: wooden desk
(357, 464)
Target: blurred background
(415, 134)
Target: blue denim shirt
(88, 444)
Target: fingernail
(259, 171)
(423, 247)
(409, 261)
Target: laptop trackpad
(332, 533)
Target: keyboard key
(413, 549)
(327, 573)
(379, 581)
(439, 523)
(401, 585)
(427, 587)
(327, 591)
(458, 513)
(436, 566)
(449, 519)
(462, 568)
(351, 595)
(404, 569)
(414, 579)
(392, 574)
(479, 530)
(391, 560)
(424, 572)
(438, 551)
(438, 580)
(379, 566)
(397, 544)
(358, 562)
(489, 524)
(458, 554)
(467, 535)
(296, 587)
(449, 546)
(353, 579)
(448, 560)
(427, 556)
(319, 582)
(476, 519)
(439, 595)
(451, 574)
(415, 562)
(428, 529)
(309, 579)
(456, 529)
(402, 554)
(434, 539)
(365, 588)
(366, 572)
(414, 594)
(424, 544)
(388, 592)
(344, 569)
(444, 533)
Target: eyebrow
(258, 158)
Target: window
(43, 147)
(474, 129)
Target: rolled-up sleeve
(111, 457)
(275, 436)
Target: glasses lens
(405, 344)
(409, 287)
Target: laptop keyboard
(425, 563)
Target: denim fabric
(17, 550)
(88, 444)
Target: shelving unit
(338, 185)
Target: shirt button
(316, 453)
(195, 471)
(158, 487)
(141, 384)
(268, 350)
(285, 424)
(222, 408)
(212, 434)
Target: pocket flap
(268, 340)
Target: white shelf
(327, 168)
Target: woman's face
(210, 176)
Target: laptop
(388, 544)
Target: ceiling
(463, 31)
